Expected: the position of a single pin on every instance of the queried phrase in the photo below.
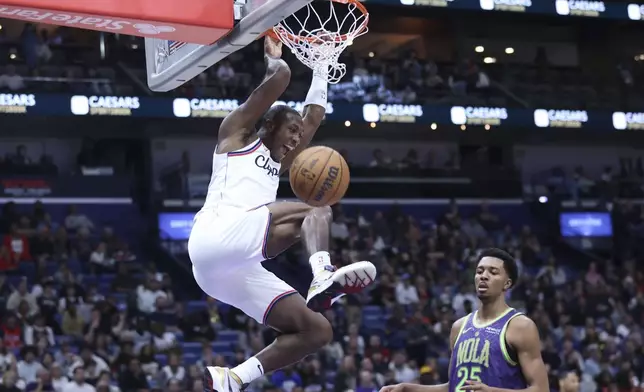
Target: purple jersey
(481, 354)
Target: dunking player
(496, 348)
(241, 225)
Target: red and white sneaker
(332, 284)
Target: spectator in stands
(22, 295)
(91, 363)
(555, 273)
(406, 293)
(78, 383)
(173, 370)
(7, 358)
(432, 78)
(100, 259)
(133, 378)
(75, 220)
(226, 75)
(18, 245)
(72, 324)
(7, 264)
(150, 296)
(381, 160)
(403, 372)
(11, 80)
(10, 382)
(97, 85)
(42, 245)
(43, 51)
(58, 378)
(28, 367)
(43, 382)
(70, 297)
(39, 332)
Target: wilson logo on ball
(332, 175)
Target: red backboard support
(195, 21)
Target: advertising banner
(356, 113)
(64, 187)
(558, 8)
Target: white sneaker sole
(350, 279)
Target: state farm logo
(84, 21)
(153, 30)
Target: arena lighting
(639, 57)
(489, 60)
(509, 50)
(372, 125)
(371, 54)
(0, 27)
(543, 199)
(347, 123)
(12, 56)
(433, 126)
(479, 49)
(487, 127)
(463, 127)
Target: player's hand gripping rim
(272, 48)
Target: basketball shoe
(219, 379)
(331, 284)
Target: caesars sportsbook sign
(478, 115)
(220, 108)
(393, 113)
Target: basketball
(319, 176)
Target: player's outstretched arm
(406, 387)
(278, 76)
(314, 111)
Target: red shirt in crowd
(12, 337)
(6, 262)
(18, 247)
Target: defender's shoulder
(522, 324)
(458, 324)
(456, 329)
(522, 331)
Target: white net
(319, 41)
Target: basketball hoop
(319, 41)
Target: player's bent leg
(269, 300)
(292, 221)
(303, 333)
(287, 220)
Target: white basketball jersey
(246, 178)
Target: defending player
(241, 225)
(496, 348)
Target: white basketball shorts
(226, 247)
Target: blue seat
(221, 347)
(228, 336)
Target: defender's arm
(314, 111)
(278, 76)
(523, 335)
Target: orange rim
(341, 37)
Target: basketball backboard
(171, 63)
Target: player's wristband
(317, 94)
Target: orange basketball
(319, 176)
